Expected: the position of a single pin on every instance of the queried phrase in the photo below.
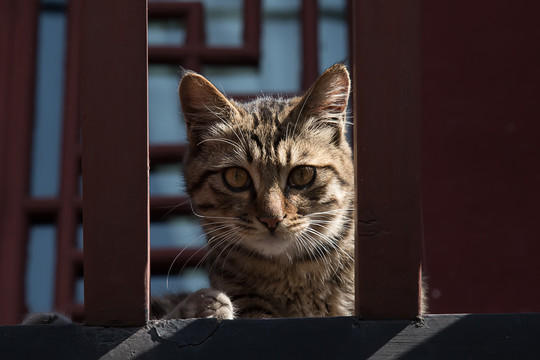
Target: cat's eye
(236, 179)
(302, 177)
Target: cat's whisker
(325, 238)
(323, 250)
(211, 247)
(226, 239)
(195, 240)
(314, 245)
(221, 227)
(242, 139)
(288, 256)
(189, 259)
(301, 110)
(227, 141)
(320, 239)
(183, 266)
(172, 208)
(223, 121)
(336, 247)
(331, 242)
(306, 240)
(331, 211)
(235, 244)
(210, 216)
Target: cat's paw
(46, 318)
(205, 303)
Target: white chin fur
(269, 245)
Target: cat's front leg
(204, 303)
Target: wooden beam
(69, 211)
(115, 162)
(386, 91)
(439, 337)
(310, 38)
(18, 25)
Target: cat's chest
(289, 288)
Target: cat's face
(272, 176)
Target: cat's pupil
(302, 176)
(236, 178)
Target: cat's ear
(329, 96)
(202, 105)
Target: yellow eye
(302, 176)
(236, 179)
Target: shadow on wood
(437, 337)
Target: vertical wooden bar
(310, 38)
(115, 162)
(69, 213)
(386, 83)
(18, 24)
(252, 26)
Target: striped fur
(304, 265)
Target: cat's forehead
(267, 132)
(267, 112)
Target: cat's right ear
(202, 105)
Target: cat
(272, 181)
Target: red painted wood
(194, 53)
(162, 206)
(205, 55)
(162, 259)
(192, 14)
(167, 153)
(69, 190)
(252, 27)
(310, 37)
(168, 10)
(480, 87)
(386, 83)
(115, 161)
(18, 22)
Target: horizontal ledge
(166, 9)
(160, 206)
(160, 259)
(511, 336)
(166, 153)
(206, 55)
(158, 152)
(45, 209)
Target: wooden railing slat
(115, 162)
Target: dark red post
(69, 206)
(18, 22)
(310, 38)
(115, 161)
(386, 83)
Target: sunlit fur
(305, 266)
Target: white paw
(204, 303)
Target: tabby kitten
(272, 181)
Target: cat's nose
(271, 222)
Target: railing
(388, 225)
(115, 143)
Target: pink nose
(271, 222)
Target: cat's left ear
(202, 105)
(329, 96)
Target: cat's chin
(271, 246)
